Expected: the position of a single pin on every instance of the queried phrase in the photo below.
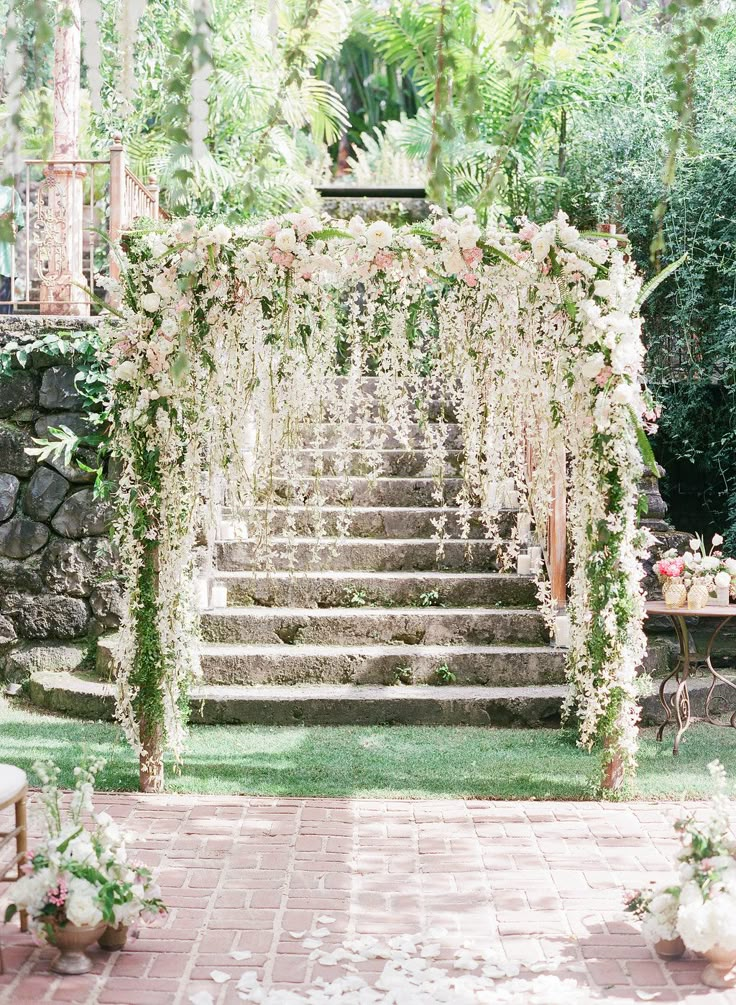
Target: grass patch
(363, 761)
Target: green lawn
(398, 761)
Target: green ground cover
(388, 761)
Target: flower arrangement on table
(79, 884)
(698, 911)
(697, 575)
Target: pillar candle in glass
(523, 564)
(219, 595)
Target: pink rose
(470, 279)
(383, 259)
(528, 231)
(603, 377)
(283, 258)
(472, 256)
(271, 228)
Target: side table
(677, 704)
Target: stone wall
(57, 586)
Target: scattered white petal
(311, 943)
(219, 976)
(241, 954)
(647, 996)
(202, 998)
(320, 933)
(297, 935)
(326, 919)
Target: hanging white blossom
(238, 341)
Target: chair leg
(21, 846)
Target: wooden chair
(13, 792)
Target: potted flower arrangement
(78, 883)
(697, 576)
(669, 571)
(706, 917)
(656, 908)
(698, 912)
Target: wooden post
(63, 280)
(117, 199)
(557, 531)
(154, 190)
(151, 762)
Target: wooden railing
(59, 212)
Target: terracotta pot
(674, 592)
(72, 941)
(697, 597)
(113, 938)
(721, 970)
(669, 949)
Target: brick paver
(250, 875)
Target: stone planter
(721, 970)
(72, 941)
(669, 949)
(113, 939)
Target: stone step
(380, 555)
(367, 626)
(387, 462)
(375, 521)
(344, 705)
(507, 666)
(371, 492)
(381, 589)
(376, 434)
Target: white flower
(717, 539)
(468, 234)
(592, 365)
(81, 906)
(126, 371)
(150, 302)
(454, 262)
(730, 564)
(541, 244)
(285, 239)
(379, 234)
(356, 226)
(221, 234)
(722, 579)
(604, 288)
(568, 234)
(623, 394)
(694, 544)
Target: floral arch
(235, 339)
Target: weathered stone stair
(372, 628)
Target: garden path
(540, 883)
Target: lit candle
(227, 531)
(523, 564)
(512, 499)
(492, 495)
(722, 596)
(535, 556)
(219, 595)
(240, 530)
(562, 631)
(524, 527)
(203, 594)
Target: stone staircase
(376, 627)
(373, 628)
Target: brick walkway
(542, 880)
